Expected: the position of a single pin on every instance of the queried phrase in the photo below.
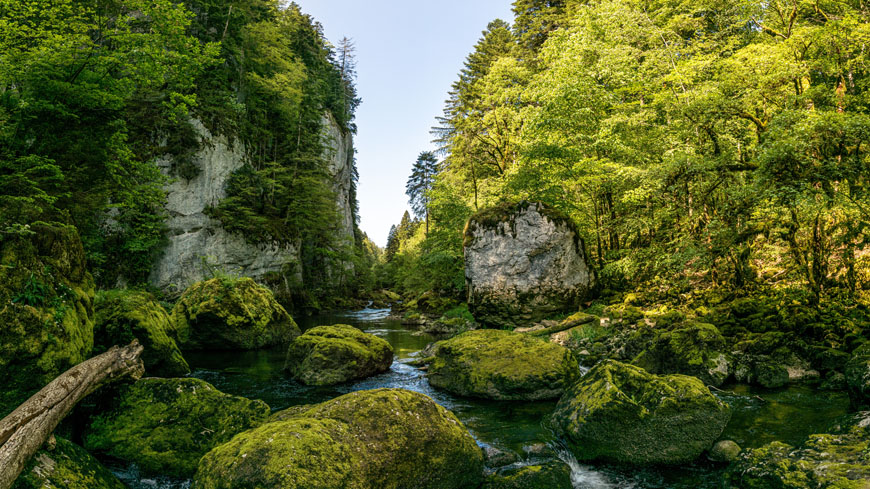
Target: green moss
(166, 425)
(696, 349)
(328, 355)
(502, 365)
(125, 315)
(858, 375)
(555, 475)
(67, 466)
(622, 413)
(231, 314)
(49, 327)
(386, 438)
(840, 460)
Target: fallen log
(32, 423)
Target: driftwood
(29, 426)
(564, 326)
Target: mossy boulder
(554, 475)
(773, 359)
(724, 451)
(125, 315)
(166, 425)
(386, 438)
(622, 413)
(502, 365)
(46, 309)
(858, 375)
(328, 355)
(838, 460)
(693, 349)
(65, 466)
(231, 314)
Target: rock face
(502, 365)
(858, 375)
(46, 310)
(66, 466)
(621, 413)
(386, 438)
(328, 355)
(522, 263)
(166, 425)
(231, 314)
(195, 238)
(125, 315)
(840, 459)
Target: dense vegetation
(93, 92)
(713, 145)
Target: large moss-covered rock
(328, 355)
(772, 359)
(555, 475)
(693, 349)
(125, 315)
(230, 314)
(46, 309)
(166, 425)
(386, 438)
(622, 413)
(523, 262)
(837, 460)
(502, 365)
(65, 466)
(858, 375)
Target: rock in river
(523, 263)
(858, 375)
(166, 425)
(622, 413)
(231, 314)
(328, 355)
(65, 466)
(385, 439)
(502, 365)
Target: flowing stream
(759, 416)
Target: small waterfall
(583, 476)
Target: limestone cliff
(197, 243)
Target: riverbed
(759, 416)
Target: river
(759, 416)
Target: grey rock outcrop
(195, 239)
(523, 262)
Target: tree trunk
(29, 426)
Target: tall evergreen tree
(420, 183)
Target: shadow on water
(759, 416)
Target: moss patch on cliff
(328, 355)
(166, 425)
(225, 313)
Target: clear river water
(759, 416)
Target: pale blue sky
(409, 53)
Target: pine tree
(420, 183)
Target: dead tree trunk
(29, 426)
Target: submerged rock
(65, 466)
(695, 349)
(46, 310)
(166, 425)
(554, 475)
(840, 459)
(523, 263)
(328, 355)
(621, 413)
(231, 314)
(858, 375)
(724, 451)
(125, 315)
(502, 365)
(385, 439)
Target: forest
(637, 254)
